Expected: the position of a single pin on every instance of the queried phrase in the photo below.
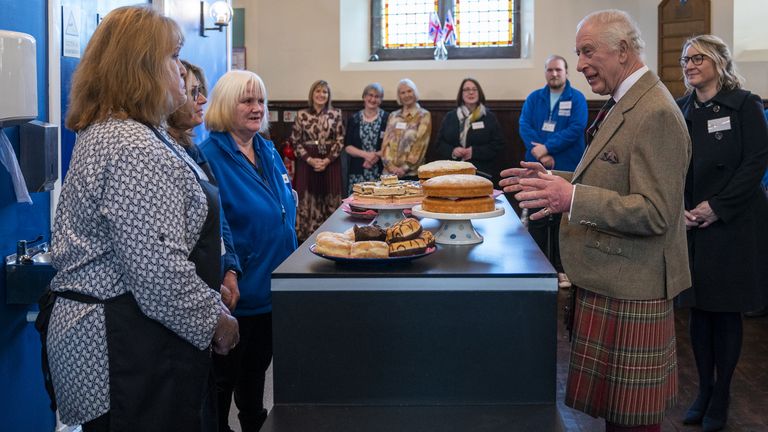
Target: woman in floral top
(407, 135)
(364, 135)
(318, 137)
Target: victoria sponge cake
(445, 167)
(458, 193)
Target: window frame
(378, 53)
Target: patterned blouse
(406, 139)
(129, 215)
(324, 130)
(368, 140)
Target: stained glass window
(483, 28)
(484, 22)
(406, 22)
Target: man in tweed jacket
(623, 243)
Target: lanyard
(199, 174)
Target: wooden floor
(749, 391)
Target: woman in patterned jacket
(407, 135)
(318, 137)
(130, 336)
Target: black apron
(158, 381)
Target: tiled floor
(749, 406)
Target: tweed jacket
(625, 237)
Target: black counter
(468, 326)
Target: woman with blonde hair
(725, 209)
(259, 205)
(407, 135)
(318, 137)
(132, 324)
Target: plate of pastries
(370, 244)
(363, 213)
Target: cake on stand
(456, 228)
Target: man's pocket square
(609, 157)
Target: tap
(24, 253)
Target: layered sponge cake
(445, 167)
(458, 193)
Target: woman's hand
(230, 292)
(321, 164)
(399, 172)
(704, 215)
(459, 153)
(372, 158)
(227, 333)
(690, 221)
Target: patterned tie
(592, 129)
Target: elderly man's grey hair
(616, 25)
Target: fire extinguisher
(289, 156)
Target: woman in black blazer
(725, 214)
(471, 132)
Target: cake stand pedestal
(388, 214)
(456, 228)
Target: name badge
(401, 125)
(564, 112)
(719, 124)
(478, 125)
(286, 180)
(565, 105)
(548, 126)
(223, 248)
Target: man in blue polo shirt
(552, 128)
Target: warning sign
(70, 16)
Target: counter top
(506, 252)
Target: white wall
(292, 43)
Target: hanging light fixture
(221, 13)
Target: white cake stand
(388, 214)
(457, 228)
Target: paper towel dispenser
(18, 78)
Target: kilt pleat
(623, 364)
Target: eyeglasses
(469, 90)
(697, 59)
(196, 92)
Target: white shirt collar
(629, 82)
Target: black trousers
(99, 424)
(242, 372)
(546, 232)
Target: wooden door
(678, 21)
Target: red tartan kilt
(623, 364)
